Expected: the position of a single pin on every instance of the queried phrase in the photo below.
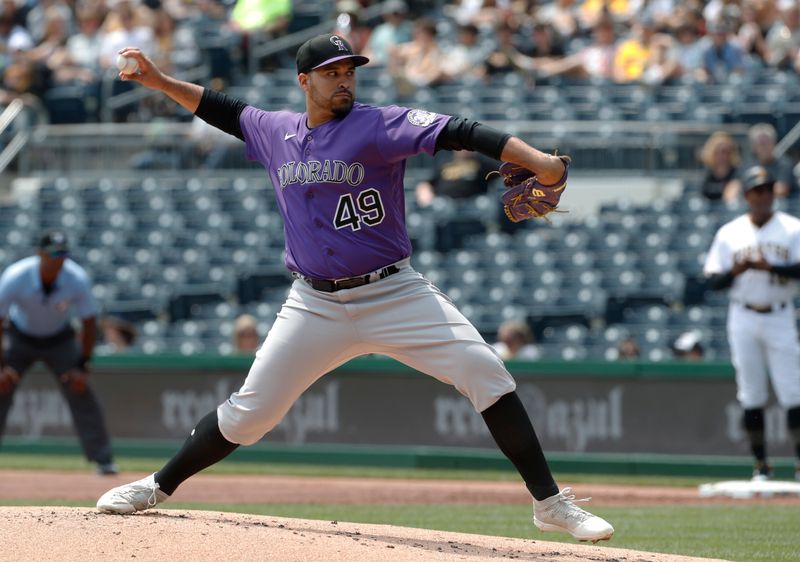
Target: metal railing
(787, 141)
(17, 143)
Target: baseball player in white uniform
(337, 170)
(757, 256)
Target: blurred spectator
(688, 14)
(721, 56)
(25, 80)
(52, 52)
(720, 158)
(480, 13)
(595, 61)
(270, 16)
(750, 35)
(36, 21)
(662, 64)
(128, 24)
(461, 176)
(16, 10)
(197, 11)
(762, 138)
(591, 12)
(628, 349)
(54, 36)
(633, 54)
(783, 38)
(417, 64)
(394, 30)
(350, 26)
(13, 37)
(716, 10)
(560, 15)
(659, 11)
(466, 56)
(544, 42)
(175, 47)
(515, 341)
(83, 48)
(541, 49)
(175, 50)
(689, 50)
(118, 335)
(689, 346)
(245, 335)
(505, 57)
(494, 11)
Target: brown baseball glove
(526, 197)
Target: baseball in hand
(127, 65)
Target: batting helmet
(756, 177)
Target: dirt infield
(81, 534)
(79, 486)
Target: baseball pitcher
(337, 170)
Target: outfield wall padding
(577, 407)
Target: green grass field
(746, 533)
(141, 464)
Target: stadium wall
(605, 416)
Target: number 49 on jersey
(366, 207)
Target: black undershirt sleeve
(466, 134)
(221, 111)
(720, 280)
(792, 271)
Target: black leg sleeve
(754, 427)
(509, 424)
(793, 421)
(204, 447)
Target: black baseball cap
(325, 49)
(54, 243)
(756, 176)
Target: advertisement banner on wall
(571, 412)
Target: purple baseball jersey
(340, 185)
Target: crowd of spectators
(652, 42)
(724, 162)
(47, 43)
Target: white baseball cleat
(762, 472)
(136, 496)
(560, 514)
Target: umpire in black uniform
(38, 295)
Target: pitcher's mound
(84, 535)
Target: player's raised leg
(554, 510)
(410, 320)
